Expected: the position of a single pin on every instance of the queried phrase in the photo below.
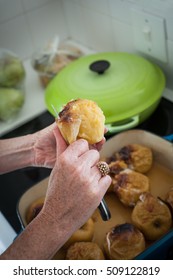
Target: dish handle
(113, 128)
(169, 137)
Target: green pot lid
(128, 86)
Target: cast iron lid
(122, 84)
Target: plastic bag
(53, 58)
(12, 76)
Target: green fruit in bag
(11, 100)
(12, 72)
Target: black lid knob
(99, 66)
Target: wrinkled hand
(46, 147)
(49, 144)
(75, 187)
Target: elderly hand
(74, 191)
(46, 147)
(75, 188)
(49, 144)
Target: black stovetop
(14, 184)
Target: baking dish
(161, 180)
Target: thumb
(61, 145)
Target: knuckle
(78, 170)
(94, 154)
(82, 142)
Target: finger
(61, 144)
(53, 125)
(90, 157)
(95, 173)
(98, 146)
(78, 148)
(106, 130)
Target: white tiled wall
(25, 25)
(104, 25)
